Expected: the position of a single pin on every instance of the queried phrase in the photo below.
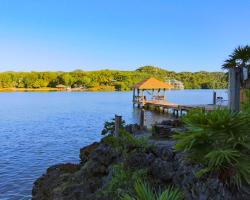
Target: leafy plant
(144, 192)
(123, 180)
(109, 127)
(241, 52)
(125, 141)
(245, 106)
(221, 141)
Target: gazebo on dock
(150, 85)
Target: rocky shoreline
(94, 177)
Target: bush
(144, 192)
(123, 180)
(126, 141)
(221, 141)
(245, 106)
(109, 127)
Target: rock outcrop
(88, 179)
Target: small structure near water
(61, 87)
(156, 89)
(150, 85)
(178, 85)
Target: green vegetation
(109, 79)
(220, 140)
(241, 52)
(126, 142)
(245, 106)
(144, 192)
(109, 127)
(122, 180)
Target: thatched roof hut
(152, 84)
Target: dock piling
(214, 98)
(142, 119)
(118, 121)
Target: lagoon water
(40, 129)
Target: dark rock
(104, 154)
(86, 181)
(138, 160)
(44, 186)
(94, 168)
(162, 170)
(64, 168)
(132, 128)
(164, 151)
(162, 131)
(172, 123)
(85, 151)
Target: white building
(175, 84)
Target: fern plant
(144, 192)
(221, 141)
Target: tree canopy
(120, 80)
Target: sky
(64, 35)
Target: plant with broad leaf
(142, 191)
(220, 140)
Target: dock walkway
(177, 109)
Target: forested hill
(121, 80)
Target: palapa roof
(151, 83)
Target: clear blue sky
(178, 35)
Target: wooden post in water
(133, 97)
(142, 119)
(214, 98)
(138, 98)
(118, 121)
(234, 90)
(164, 94)
(143, 100)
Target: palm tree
(241, 52)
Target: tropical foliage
(142, 191)
(220, 140)
(125, 141)
(119, 80)
(109, 127)
(241, 52)
(123, 180)
(245, 106)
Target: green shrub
(245, 106)
(125, 141)
(221, 141)
(109, 127)
(123, 180)
(142, 191)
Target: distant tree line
(121, 80)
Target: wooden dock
(158, 100)
(176, 109)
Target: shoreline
(77, 90)
(51, 90)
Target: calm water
(40, 129)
